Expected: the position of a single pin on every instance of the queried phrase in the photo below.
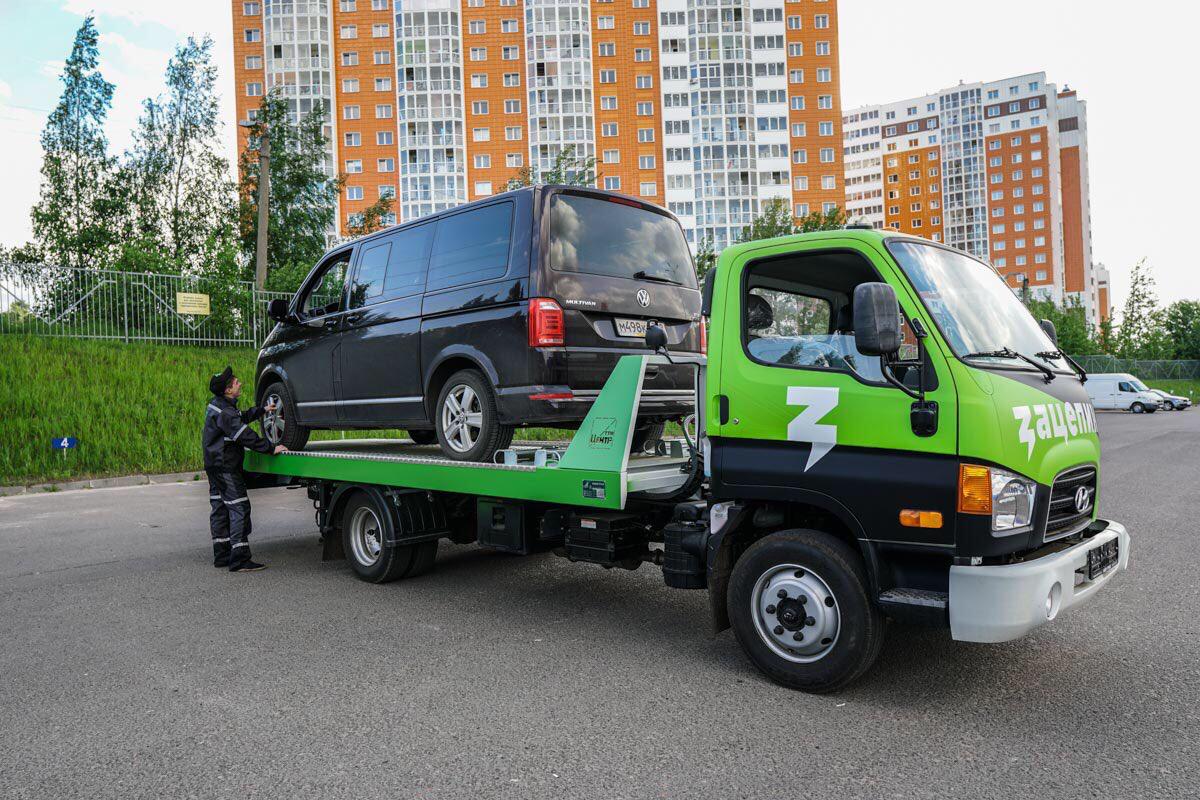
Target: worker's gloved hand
(270, 407)
(279, 449)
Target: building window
(349, 32)
(348, 5)
(385, 165)
(608, 129)
(606, 23)
(477, 26)
(350, 85)
(821, 21)
(351, 112)
(512, 133)
(350, 59)
(645, 109)
(641, 54)
(611, 157)
(648, 188)
(606, 48)
(612, 183)
(380, 31)
(352, 139)
(253, 35)
(512, 79)
(608, 102)
(512, 106)
(383, 111)
(608, 76)
(796, 76)
(383, 84)
(799, 156)
(795, 49)
(384, 137)
(481, 134)
(483, 188)
(514, 159)
(251, 9)
(825, 128)
(828, 182)
(353, 166)
(823, 49)
(510, 52)
(828, 158)
(254, 90)
(479, 54)
(795, 23)
(354, 193)
(380, 5)
(644, 81)
(253, 62)
(801, 209)
(645, 135)
(824, 75)
(799, 129)
(479, 80)
(509, 26)
(383, 56)
(646, 162)
(479, 107)
(641, 29)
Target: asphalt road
(129, 667)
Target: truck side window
(324, 293)
(472, 246)
(798, 313)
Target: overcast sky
(1130, 63)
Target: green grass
(135, 408)
(1186, 388)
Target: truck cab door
(799, 413)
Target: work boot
(221, 562)
(247, 566)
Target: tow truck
(881, 432)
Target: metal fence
(1144, 369)
(132, 306)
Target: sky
(1128, 62)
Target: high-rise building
(998, 169)
(709, 107)
(1103, 294)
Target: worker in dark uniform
(226, 433)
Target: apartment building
(997, 169)
(709, 107)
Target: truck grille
(1064, 517)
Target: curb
(101, 483)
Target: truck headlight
(1012, 501)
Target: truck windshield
(610, 237)
(974, 308)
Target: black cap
(218, 383)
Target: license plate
(634, 328)
(1101, 559)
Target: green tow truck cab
(882, 431)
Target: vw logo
(1083, 499)
(643, 298)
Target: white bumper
(1000, 603)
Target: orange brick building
(997, 169)
(709, 109)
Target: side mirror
(277, 309)
(656, 337)
(706, 292)
(1050, 330)
(876, 319)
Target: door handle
(723, 409)
(353, 319)
(331, 323)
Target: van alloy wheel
(272, 422)
(462, 418)
(795, 613)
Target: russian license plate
(1101, 559)
(634, 328)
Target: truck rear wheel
(800, 608)
(365, 546)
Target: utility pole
(264, 194)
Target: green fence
(1144, 369)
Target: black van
(466, 324)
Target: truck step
(919, 606)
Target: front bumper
(999, 603)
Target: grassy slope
(135, 408)
(1186, 388)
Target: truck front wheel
(800, 608)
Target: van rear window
(472, 246)
(603, 237)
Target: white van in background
(1121, 391)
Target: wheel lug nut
(782, 594)
(803, 599)
(778, 630)
(810, 621)
(770, 609)
(798, 636)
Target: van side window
(472, 246)
(325, 291)
(1124, 387)
(392, 267)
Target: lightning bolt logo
(1025, 434)
(818, 402)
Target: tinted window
(607, 237)
(470, 247)
(326, 289)
(392, 267)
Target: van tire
(383, 562)
(1138, 408)
(817, 567)
(294, 435)
(423, 437)
(481, 442)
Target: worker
(227, 432)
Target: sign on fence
(192, 303)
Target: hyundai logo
(643, 298)
(1083, 499)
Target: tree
(303, 194)
(183, 200)
(1075, 333)
(1141, 334)
(775, 219)
(568, 169)
(72, 220)
(371, 218)
(1183, 326)
(830, 220)
(706, 257)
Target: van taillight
(545, 323)
(703, 337)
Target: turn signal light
(703, 337)
(912, 518)
(545, 323)
(974, 489)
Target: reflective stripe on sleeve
(239, 433)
